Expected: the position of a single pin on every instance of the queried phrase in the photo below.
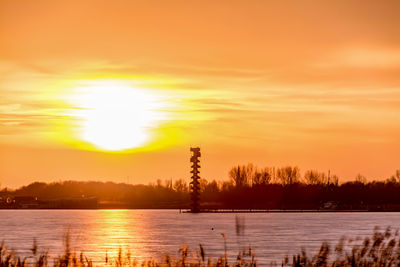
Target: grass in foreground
(382, 249)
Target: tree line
(248, 187)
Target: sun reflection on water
(115, 230)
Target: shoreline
(221, 210)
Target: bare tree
(361, 179)
(241, 175)
(315, 177)
(396, 176)
(334, 179)
(168, 184)
(262, 177)
(180, 186)
(288, 175)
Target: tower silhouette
(195, 184)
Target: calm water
(151, 233)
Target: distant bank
(213, 197)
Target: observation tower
(195, 184)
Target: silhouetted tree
(288, 175)
(360, 179)
(334, 180)
(316, 177)
(262, 177)
(241, 175)
(396, 176)
(181, 186)
(210, 191)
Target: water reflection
(112, 230)
(154, 233)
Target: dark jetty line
(265, 211)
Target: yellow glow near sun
(116, 116)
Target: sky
(120, 90)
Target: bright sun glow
(116, 116)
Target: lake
(154, 233)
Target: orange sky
(308, 83)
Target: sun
(115, 116)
